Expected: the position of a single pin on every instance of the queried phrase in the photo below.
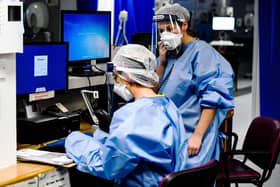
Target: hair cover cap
(176, 9)
(135, 63)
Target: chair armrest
(232, 153)
(246, 153)
(229, 135)
(234, 138)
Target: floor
(241, 120)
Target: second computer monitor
(89, 37)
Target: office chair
(261, 147)
(202, 176)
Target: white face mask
(171, 40)
(122, 91)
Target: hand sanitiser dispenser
(11, 27)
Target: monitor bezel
(66, 66)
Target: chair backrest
(202, 176)
(263, 135)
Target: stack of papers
(53, 158)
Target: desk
(86, 127)
(22, 171)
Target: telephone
(58, 109)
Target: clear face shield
(166, 30)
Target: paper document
(53, 158)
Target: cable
(89, 82)
(94, 65)
(110, 85)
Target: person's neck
(188, 38)
(139, 92)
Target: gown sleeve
(92, 156)
(214, 79)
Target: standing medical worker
(196, 77)
(146, 140)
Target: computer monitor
(42, 67)
(89, 37)
(223, 23)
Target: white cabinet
(57, 177)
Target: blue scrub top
(147, 141)
(200, 77)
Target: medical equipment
(122, 28)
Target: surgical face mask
(171, 40)
(122, 91)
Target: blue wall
(140, 14)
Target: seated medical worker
(146, 140)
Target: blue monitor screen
(88, 34)
(41, 67)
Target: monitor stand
(85, 71)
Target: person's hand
(194, 144)
(162, 52)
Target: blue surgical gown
(200, 77)
(147, 140)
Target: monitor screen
(41, 67)
(223, 23)
(88, 34)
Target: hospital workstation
(58, 78)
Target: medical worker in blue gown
(196, 77)
(146, 140)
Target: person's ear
(185, 26)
